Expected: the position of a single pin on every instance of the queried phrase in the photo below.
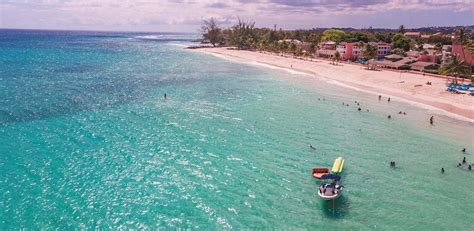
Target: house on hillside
(412, 34)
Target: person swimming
(311, 146)
(431, 120)
(389, 116)
(464, 150)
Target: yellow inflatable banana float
(338, 164)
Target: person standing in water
(431, 120)
(164, 96)
(388, 99)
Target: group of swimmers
(403, 113)
(464, 162)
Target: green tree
(243, 35)
(470, 47)
(438, 48)
(356, 36)
(401, 41)
(455, 67)
(385, 37)
(211, 32)
(333, 35)
(398, 51)
(337, 56)
(461, 39)
(401, 29)
(370, 51)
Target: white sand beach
(408, 86)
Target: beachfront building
(399, 64)
(462, 53)
(305, 47)
(326, 49)
(352, 51)
(428, 67)
(383, 48)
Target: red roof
(412, 33)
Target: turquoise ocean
(87, 141)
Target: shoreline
(404, 85)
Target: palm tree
(370, 52)
(461, 39)
(337, 56)
(455, 67)
(470, 47)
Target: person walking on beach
(380, 97)
(431, 120)
(388, 99)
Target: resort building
(399, 64)
(305, 47)
(326, 49)
(383, 48)
(462, 53)
(352, 51)
(425, 67)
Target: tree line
(244, 35)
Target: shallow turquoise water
(86, 140)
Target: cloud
(188, 14)
(218, 5)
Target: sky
(187, 15)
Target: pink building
(351, 51)
(462, 54)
